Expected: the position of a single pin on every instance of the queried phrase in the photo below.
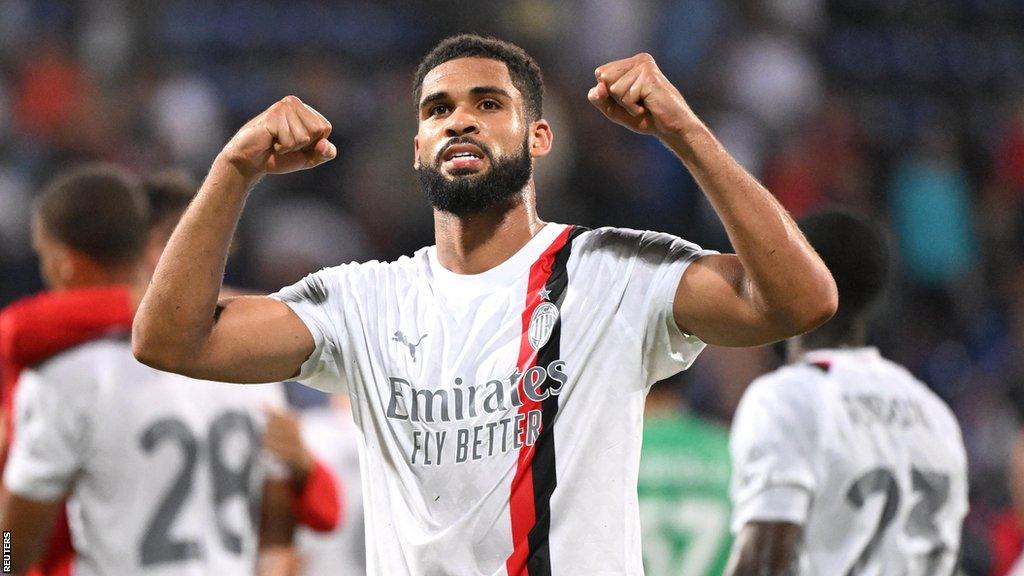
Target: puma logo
(401, 339)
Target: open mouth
(462, 158)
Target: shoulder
(9, 312)
(633, 248)
(790, 397)
(624, 241)
(936, 407)
(13, 317)
(318, 286)
(76, 376)
(94, 357)
(793, 385)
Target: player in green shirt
(683, 489)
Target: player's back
(879, 456)
(164, 473)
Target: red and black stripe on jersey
(535, 479)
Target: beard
(465, 194)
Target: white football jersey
(501, 413)
(163, 474)
(865, 457)
(330, 434)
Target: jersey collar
(501, 276)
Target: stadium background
(910, 111)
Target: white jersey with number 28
(861, 454)
(164, 474)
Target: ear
(416, 152)
(68, 265)
(541, 138)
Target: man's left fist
(634, 93)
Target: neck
(475, 243)
(837, 333)
(95, 276)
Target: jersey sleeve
(318, 300)
(652, 264)
(51, 434)
(773, 446)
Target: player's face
(471, 97)
(474, 147)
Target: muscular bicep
(254, 339)
(765, 549)
(716, 302)
(30, 524)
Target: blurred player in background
(81, 308)
(498, 378)
(843, 462)
(91, 234)
(38, 327)
(683, 488)
(329, 432)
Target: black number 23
(880, 482)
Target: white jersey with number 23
(859, 453)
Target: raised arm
(180, 327)
(775, 286)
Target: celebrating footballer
(498, 377)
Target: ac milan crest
(542, 323)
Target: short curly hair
(99, 210)
(522, 68)
(857, 253)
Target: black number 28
(934, 491)
(157, 545)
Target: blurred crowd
(910, 111)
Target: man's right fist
(286, 137)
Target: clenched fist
(286, 137)
(634, 93)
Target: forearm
(764, 549)
(784, 277)
(177, 313)
(277, 524)
(30, 524)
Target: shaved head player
(498, 377)
(843, 462)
